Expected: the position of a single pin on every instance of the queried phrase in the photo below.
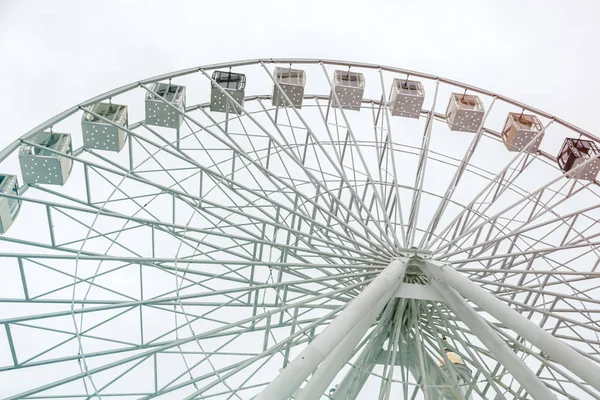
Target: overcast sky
(54, 54)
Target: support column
(334, 362)
(355, 379)
(558, 351)
(513, 364)
(384, 285)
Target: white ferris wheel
(295, 228)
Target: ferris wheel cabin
(349, 87)
(232, 83)
(464, 113)
(519, 130)
(574, 153)
(102, 134)
(164, 104)
(42, 162)
(9, 207)
(407, 98)
(292, 83)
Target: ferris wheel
(295, 228)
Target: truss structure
(277, 236)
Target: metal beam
(560, 352)
(493, 342)
(334, 362)
(309, 359)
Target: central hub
(414, 275)
(415, 252)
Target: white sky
(54, 54)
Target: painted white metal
(355, 378)
(329, 368)
(553, 347)
(309, 359)
(513, 364)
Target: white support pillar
(384, 285)
(334, 362)
(513, 364)
(558, 351)
(354, 380)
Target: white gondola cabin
(407, 98)
(232, 83)
(158, 112)
(42, 162)
(292, 83)
(520, 129)
(349, 88)
(9, 207)
(464, 113)
(103, 135)
(575, 152)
